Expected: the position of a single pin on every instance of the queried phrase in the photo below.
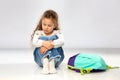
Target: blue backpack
(86, 63)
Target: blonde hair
(50, 14)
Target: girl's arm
(58, 42)
(36, 41)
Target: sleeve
(58, 42)
(36, 41)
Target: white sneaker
(52, 67)
(45, 66)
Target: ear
(54, 27)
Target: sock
(45, 66)
(52, 66)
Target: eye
(44, 24)
(49, 25)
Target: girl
(48, 42)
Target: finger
(45, 50)
(42, 50)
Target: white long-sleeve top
(38, 42)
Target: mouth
(45, 30)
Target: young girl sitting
(48, 42)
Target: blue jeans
(54, 53)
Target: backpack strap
(82, 71)
(110, 67)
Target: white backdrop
(84, 23)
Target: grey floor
(19, 65)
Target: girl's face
(47, 26)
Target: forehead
(47, 20)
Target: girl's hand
(48, 44)
(43, 50)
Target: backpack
(86, 63)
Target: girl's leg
(45, 66)
(37, 56)
(61, 52)
(52, 66)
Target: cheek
(51, 29)
(43, 27)
(54, 27)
